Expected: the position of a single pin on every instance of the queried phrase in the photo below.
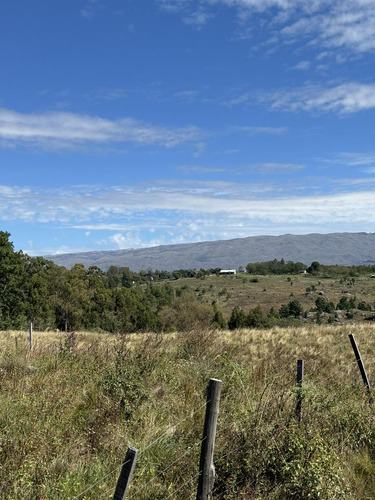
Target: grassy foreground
(69, 409)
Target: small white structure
(228, 271)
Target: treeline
(275, 267)
(293, 310)
(289, 267)
(118, 300)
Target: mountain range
(329, 249)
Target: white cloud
(260, 168)
(262, 130)
(131, 239)
(356, 159)
(69, 130)
(89, 8)
(172, 210)
(302, 65)
(277, 168)
(333, 24)
(346, 98)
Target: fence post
(206, 465)
(31, 336)
(16, 342)
(126, 474)
(359, 361)
(299, 389)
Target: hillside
(328, 249)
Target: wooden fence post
(299, 389)
(359, 362)
(31, 336)
(206, 465)
(126, 474)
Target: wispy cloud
(277, 168)
(190, 211)
(259, 168)
(345, 98)
(186, 95)
(194, 14)
(201, 169)
(107, 94)
(68, 130)
(261, 130)
(302, 66)
(356, 159)
(333, 24)
(89, 9)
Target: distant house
(303, 271)
(228, 271)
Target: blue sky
(133, 123)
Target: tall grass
(65, 427)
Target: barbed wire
(159, 438)
(172, 495)
(167, 468)
(100, 480)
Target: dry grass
(66, 426)
(273, 291)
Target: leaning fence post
(299, 389)
(126, 474)
(31, 336)
(359, 361)
(206, 465)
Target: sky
(136, 123)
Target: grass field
(70, 408)
(248, 291)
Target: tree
(256, 318)
(322, 305)
(12, 284)
(237, 319)
(38, 307)
(293, 308)
(218, 320)
(314, 267)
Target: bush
(322, 305)
(237, 319)
(293, 308)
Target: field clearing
(248, 290)
(65, 426)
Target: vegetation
(69, 409)
(121, 301)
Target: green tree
(237, 319)
(218, 320)
(314, 267)
(12, 285)
(322, 305)
(295, 308)
(256, 318)
(38, 307)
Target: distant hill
(334, 248)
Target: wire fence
(315, 376)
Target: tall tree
(12, 281)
